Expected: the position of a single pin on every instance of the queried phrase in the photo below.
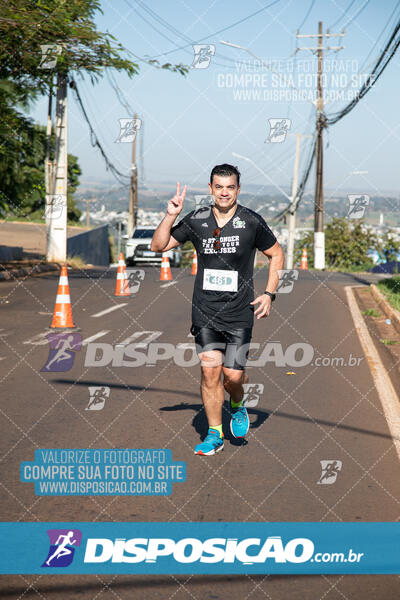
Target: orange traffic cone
(62, 317)
(304, 262)
(194, 263)
(165, 274)
(121, 285)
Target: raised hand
(175, 205)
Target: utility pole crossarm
(319, 35)
(315, 48)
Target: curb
(15, 273)
(392, 313)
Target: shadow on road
(200, 424)
(122, 386)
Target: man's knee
(232, 377)
(211, 375)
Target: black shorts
(233, 344)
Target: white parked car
(137, 249)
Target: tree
(389, 247)
(26, 26)
(346, 245)
(22, 189)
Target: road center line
(95, 337)
(386, 392)
(108, 310)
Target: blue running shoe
(212, 444)
(239, 422)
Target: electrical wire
(119, 176)
(221, 30)
(379, 67)
(176, 33)
(344, 13)
(308, 14)
(356, 14)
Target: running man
(223, 306)
(62, 549)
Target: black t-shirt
(239, 237)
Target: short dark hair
(225, 170)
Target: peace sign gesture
(175, 205)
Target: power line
(308, 14)
(174, 31)
(361, 68)
(379, 67)
(356, 14)
(380, 35)
(95, 141)
(300, 191)
(344, 13)
(257, 12)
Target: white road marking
(150, 336)
(38, 340)
(95, 337)
(386, 392)
(108, 310)
(169, 283)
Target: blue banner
(200, 548)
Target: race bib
(220, 280)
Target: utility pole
(57, 229)
(88, 201)
(48, 164)
(319, 234)
(133, 197)
(292, 208)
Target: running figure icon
(62, 549)
(63, 348)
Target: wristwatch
(273, 296)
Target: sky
(189, 124)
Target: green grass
(391, 289)
(389, 342)
(371, 312)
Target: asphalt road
(317, 413)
